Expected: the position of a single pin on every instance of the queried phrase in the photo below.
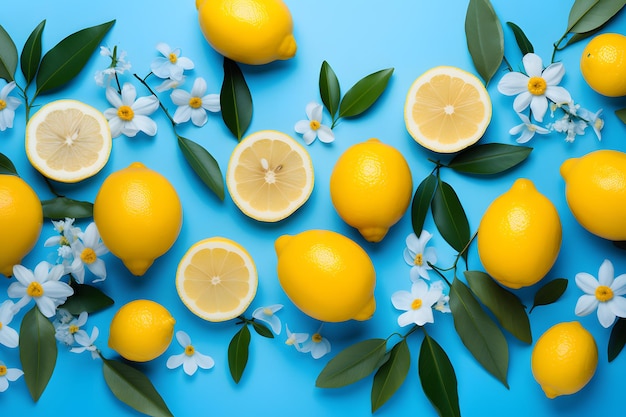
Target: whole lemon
(564, 359)
(141, 330)
(371, 187)
(21, 219)
(519, 236)
(595, 190)
(138, 214)
(603, 64)
(248, 31)
(326, 275)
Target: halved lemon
(447, 109)
(269, 175)
(68, 141)
(216, 279)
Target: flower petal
(558, 94)
(302, 126)
(183, 338)
(618, 306)
(402, 300)
(204, 361)
(175, 361)
(189, 365)
(586, 282)
(9, 337)
(325, 134)
(553, 74)
(533, 65)
(513, 83)
(605, 315)
(522, 101)
(585, 305)
(539, 107)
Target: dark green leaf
(6, 166)
(550, 292)
(235, 100)
(329, 89)
(38, 351)
(262, 330)
(617, 340)
(62, 207)
(391, 375)
(450, 217)
(621, 113)
(621, 244)
(31, 54)
(478, 332)
(203, 164)
(134, 389)
(523, 43)
(438, 378)
(86, 298)
(421, 202)
(364, 93)
(67, 58)
(578, 11)
(238, 353)
(489, 158)
(504, 305)
(485, 40)
(577, 37)
(587, 15)
(352, 364)
(8, 56)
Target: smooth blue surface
(356, 38)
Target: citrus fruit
(519, 236)
(564, 359)
(371, 187)
(595, 190)
(68, 141)
(216, 279)
(248, 31)
(603, 64)
(269, 175)
(138, 214)
(326, 275)
(447, 109)
(21, 219)
(141, 330)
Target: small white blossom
(67, 233)
(87, 251)
(66, 331)
(129, 116)
(268, 315)
(118, 66)
(594, 120)
(604, 294)
(570, 127)
(418, 256)
(169, 84)
(190, 359)
(171, 64)
(526, 130)
(195, 104)
(86, 343)
(8, 336)
(8, 375)
(443, 303)
(318, 345)
(313, 127)
(417, 304)
(8, 104)
(295, 339)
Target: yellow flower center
(537, 86)
(172, 57)
(3, 370)
(3, 104)
(290, 341)
(268, 312)
(419, 259)
(73, 328)
(416, 304)
(195, 102)
(34, 289)
(64, 241)
(88, 256)
(316, 338)
(0, 325)
(189, 350)
(125, 113)
(314, 125)
(604, 293)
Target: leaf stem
(161, 105)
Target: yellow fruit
(603, 64)
(21, 219)
(326, 275)
(68, 141)
(216, 279)
(519, 236)
(141, 330)
(564, 359)
(371, 187)
(269, 175)
(248, 31)
(139, 216)
(447, 109)
(595, 190)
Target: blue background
(356, 38)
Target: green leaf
(617, 339)
(489, 158)
(38, 351)
(31, 54)
(485, 40)
(67, 58)
(364, 93)
(62, 207)
(391, 375)
(86, 298)
(8, 56)
(577, 37)
(550, 292)
(6, 166)
(329, 89)
(262, 330)
(523, 43)
(203, 164)
(478, 332)
(133, 388)
(352, 364)
(438, 378)
(621, 114)
(588, 15)
(235, 100)
(238, 353)
(450, 217)
(421, 202)
(620, 244)
(504, 305)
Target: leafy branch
(239, 346)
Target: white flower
(128, 117)
(87, 252)
(594, 120)
(169, 84)
(442, 305)
(190, 359)
(536, 87)
(417, 304)
(66, 331)
(570, 127)
(194, 105)
(67, 233)
(313, 128)
(295, 339)
(7, 106)
(268, 315)
(8, 336)
(118, 65)
(526, 129)
(8, 375)
(87, 342)
(317, 345)
(602, 294)
(418, 256)
(171, 64)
